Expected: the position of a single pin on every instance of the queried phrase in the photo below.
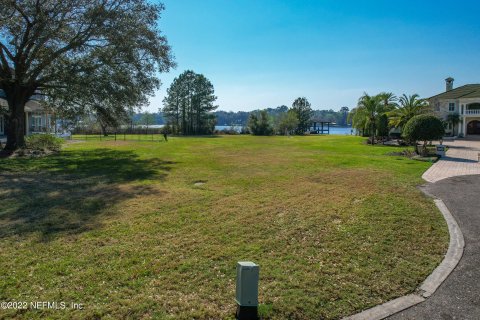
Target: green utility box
(247, 284)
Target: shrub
(43, 142)
(259, 124)
(245, 130)
(287, 122)
(424, 128)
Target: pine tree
(189, 104)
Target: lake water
(342, 130)
(333, 130)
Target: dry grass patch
(335, 226)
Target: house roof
(466, 91)
(31, 105)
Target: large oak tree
(80, 54)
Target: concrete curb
(453, 256)
(433, 281)
(388, 308)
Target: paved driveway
(456, 181)
(459, 296)
(461, 159)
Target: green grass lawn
(120, 137)
(126, 229)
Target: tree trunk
(15, 129)
(184, 119)
(374, 129)
(15, 120)
(17, 96)
(104, 130)
(373, 134)
(424, 149)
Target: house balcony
(472, 112)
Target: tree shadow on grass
(69, 193)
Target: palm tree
(389, 100)
(454, 119)
(357, 120)
(367, 112)
(409, 107)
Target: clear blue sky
(265, 53)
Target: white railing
(473, 111)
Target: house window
(437, 106)
(451, 106)
(1, 125)
(36, 122)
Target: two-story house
(37, 120)
(464, 101)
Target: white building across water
(464, 101)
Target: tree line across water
(240, 118)
(189, 109)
